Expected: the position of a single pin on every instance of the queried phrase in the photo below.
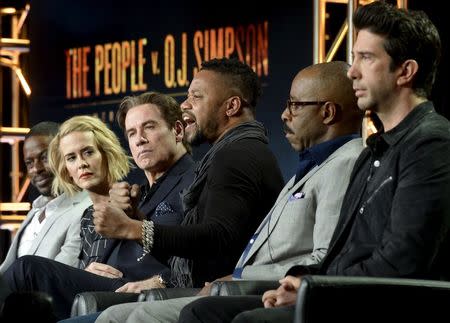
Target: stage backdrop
(87, 55)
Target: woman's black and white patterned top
(93, 245)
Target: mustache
(286, 129)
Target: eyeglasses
(294, 106)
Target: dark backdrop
(60, 25)
(57, 26)
(438, 14)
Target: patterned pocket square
(163, 208)
(297, 196)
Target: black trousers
(276, 315)
(60, 281)
(236, 309)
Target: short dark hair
(240, 75)
(44, 128)
(167, 106)
(409, 35)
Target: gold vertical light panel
(402, 4)
(11, 48)
(320, 54)
(319, 31)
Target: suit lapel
(283, 198)
(166, 186)
(15, 244)
(173, 178)
(63, 208)
(275, 215)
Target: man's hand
(103, 270)
(112, 222)
(284, 295)
(269, 298)
(137, 287)
(126, 197)
(287, 292)
(206, 290)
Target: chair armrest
(243, 287)
(158, 294)
(91, 302)
(370, 299)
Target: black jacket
(162, 207)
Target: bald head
(328, 82)
(332, 109)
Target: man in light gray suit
(52, 227)
(321, 121)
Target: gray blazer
(59, 239)
(303, 218)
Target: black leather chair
(225, 288)
(91, 302)
(27, 307)
(333, 298)
(159, 294)
(244, 287)
(349, 299)
(368, 299)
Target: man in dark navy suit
(152, 123)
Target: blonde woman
(85, 154)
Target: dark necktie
(93, 245)
(41, 216)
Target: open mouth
(189, 119)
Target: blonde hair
(117, 162)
